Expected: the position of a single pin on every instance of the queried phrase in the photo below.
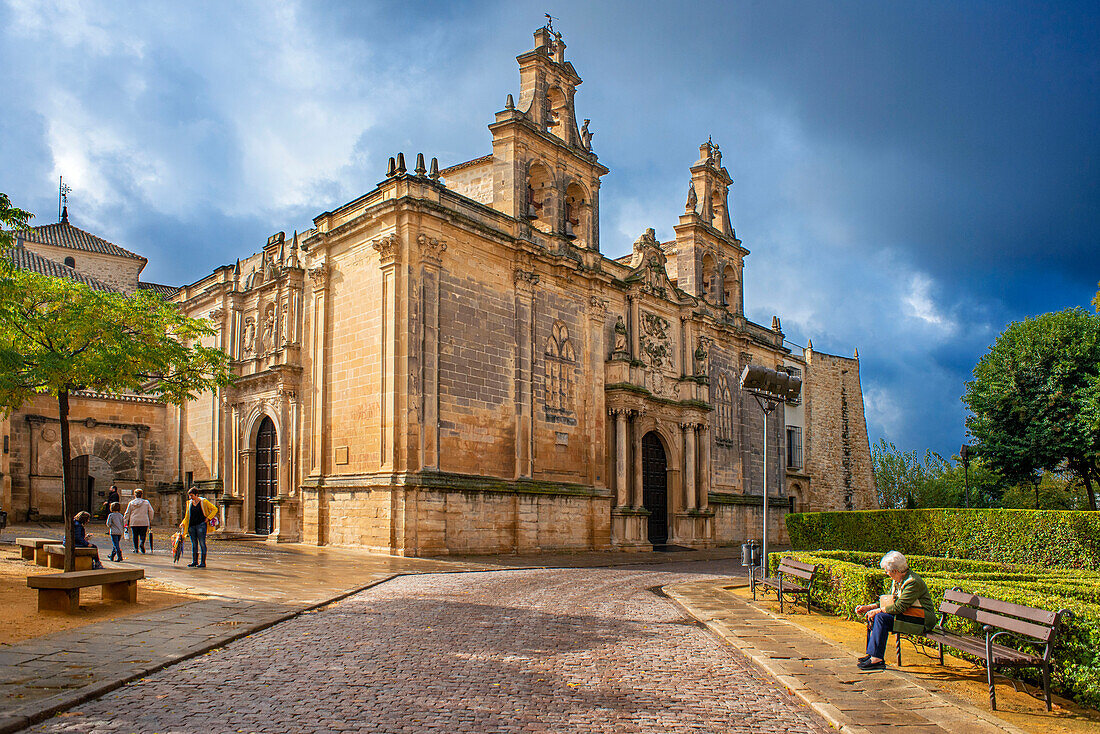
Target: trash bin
(750, 553)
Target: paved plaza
(565, 650)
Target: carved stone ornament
(319, 274)
(701, 357)
(49, 435)
(660, 385)
(622, 337)
(268, 334)
(597, 305)
(216, 315)
(431, 249)
(656, 343)
(387, 248)
(248, 335)
(525, 278)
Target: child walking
(115, 526)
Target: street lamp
(964, 454)
(770, 388)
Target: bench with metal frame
(997, 618)
(792, 567)
(60, 592)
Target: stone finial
(856, 355)
(776, 326)
(391, 169)
(294, 262)
(237, 270)
(401, 163)
(810, 344)
(510, 104)
(65, 214)
(433, 173)
(420, 169)
(282, 251)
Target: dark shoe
(867, 665)
(864, 658)
(192, 565)
(202, 565)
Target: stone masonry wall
(118, 272)
(836, 449)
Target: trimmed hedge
(848, 578)
(1030, 537)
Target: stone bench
(60, 592)
(28, 546)
(55, 557)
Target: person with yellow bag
(196, 514)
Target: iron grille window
(794, 447)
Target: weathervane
(550, 22)
(63, 190)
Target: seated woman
(80, 536)
(909, 612)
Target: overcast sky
(909, 177)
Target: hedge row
(847, 579)
(1030, 537)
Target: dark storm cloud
(909, 178)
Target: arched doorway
(655, 487)
(267, 482)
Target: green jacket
(912, 591)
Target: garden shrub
(849, 578)
(1040, 538)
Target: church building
(450, 364)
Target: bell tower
(544, 170)
(709, 257)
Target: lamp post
(770, 388)
(964, 454)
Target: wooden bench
(60, 592)
(791, 567)
(28, 546)
(997, 618)
(55, 557)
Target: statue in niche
(621, 337)
(283, 332)
(586, 136)
(701, 359)
(268, 333)
(693, 198)
(248, 337)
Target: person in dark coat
(80, 536)
(908, 609)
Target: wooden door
(267, 476)
(655, 487)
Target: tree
(901, 478)
(1035, 399)
(58, 336)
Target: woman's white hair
(893, 561)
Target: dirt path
(21, 619)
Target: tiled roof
(27, 260)
(164, 290)
(64, 234)
(467, 164)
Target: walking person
(196, 514)
(139, 516)
(115, 526)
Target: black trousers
(137, 532)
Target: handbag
(126, 533)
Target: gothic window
(724, 404)
(560, 361)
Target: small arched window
(560, 361)
(71, 262)
(724, 404)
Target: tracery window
(560, 361)
(724, 403)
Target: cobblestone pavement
(577, 650)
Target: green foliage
(905, 480)
(1035, 398)
(11, 219)
(57, 336)
(848, 578)
(1043, 538)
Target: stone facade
(449, 364)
